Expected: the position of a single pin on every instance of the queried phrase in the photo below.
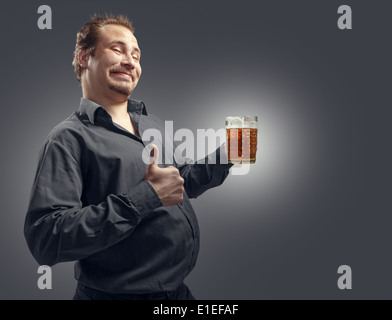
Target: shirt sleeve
(205, 174)
(58, 228)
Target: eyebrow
(124, 44)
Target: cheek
(97, 67)
(109, 60)
(113, 59)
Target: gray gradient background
(318, 196)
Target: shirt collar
(89, 108)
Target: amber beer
(241, 133)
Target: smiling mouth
(123, 74)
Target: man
(130, 226)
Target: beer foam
(234, 122)
(245, 122)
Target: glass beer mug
(241, 134)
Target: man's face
(115, 67)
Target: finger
(154, 154)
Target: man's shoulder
(68, 129)
(154, 120)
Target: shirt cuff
(221, 161)
(144, 198)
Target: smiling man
(129, 226)
(111, 76)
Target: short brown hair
(87, 37)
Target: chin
(124, 90)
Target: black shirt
(90, 203)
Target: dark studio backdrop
(318, 196)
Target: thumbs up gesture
(167, 182)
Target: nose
(128, 61)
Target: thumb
(154, 154)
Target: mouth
(124, 75)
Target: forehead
(112, 32)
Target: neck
(117, 110)
(116, 106)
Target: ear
(83, 58)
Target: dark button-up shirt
(90, 203)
